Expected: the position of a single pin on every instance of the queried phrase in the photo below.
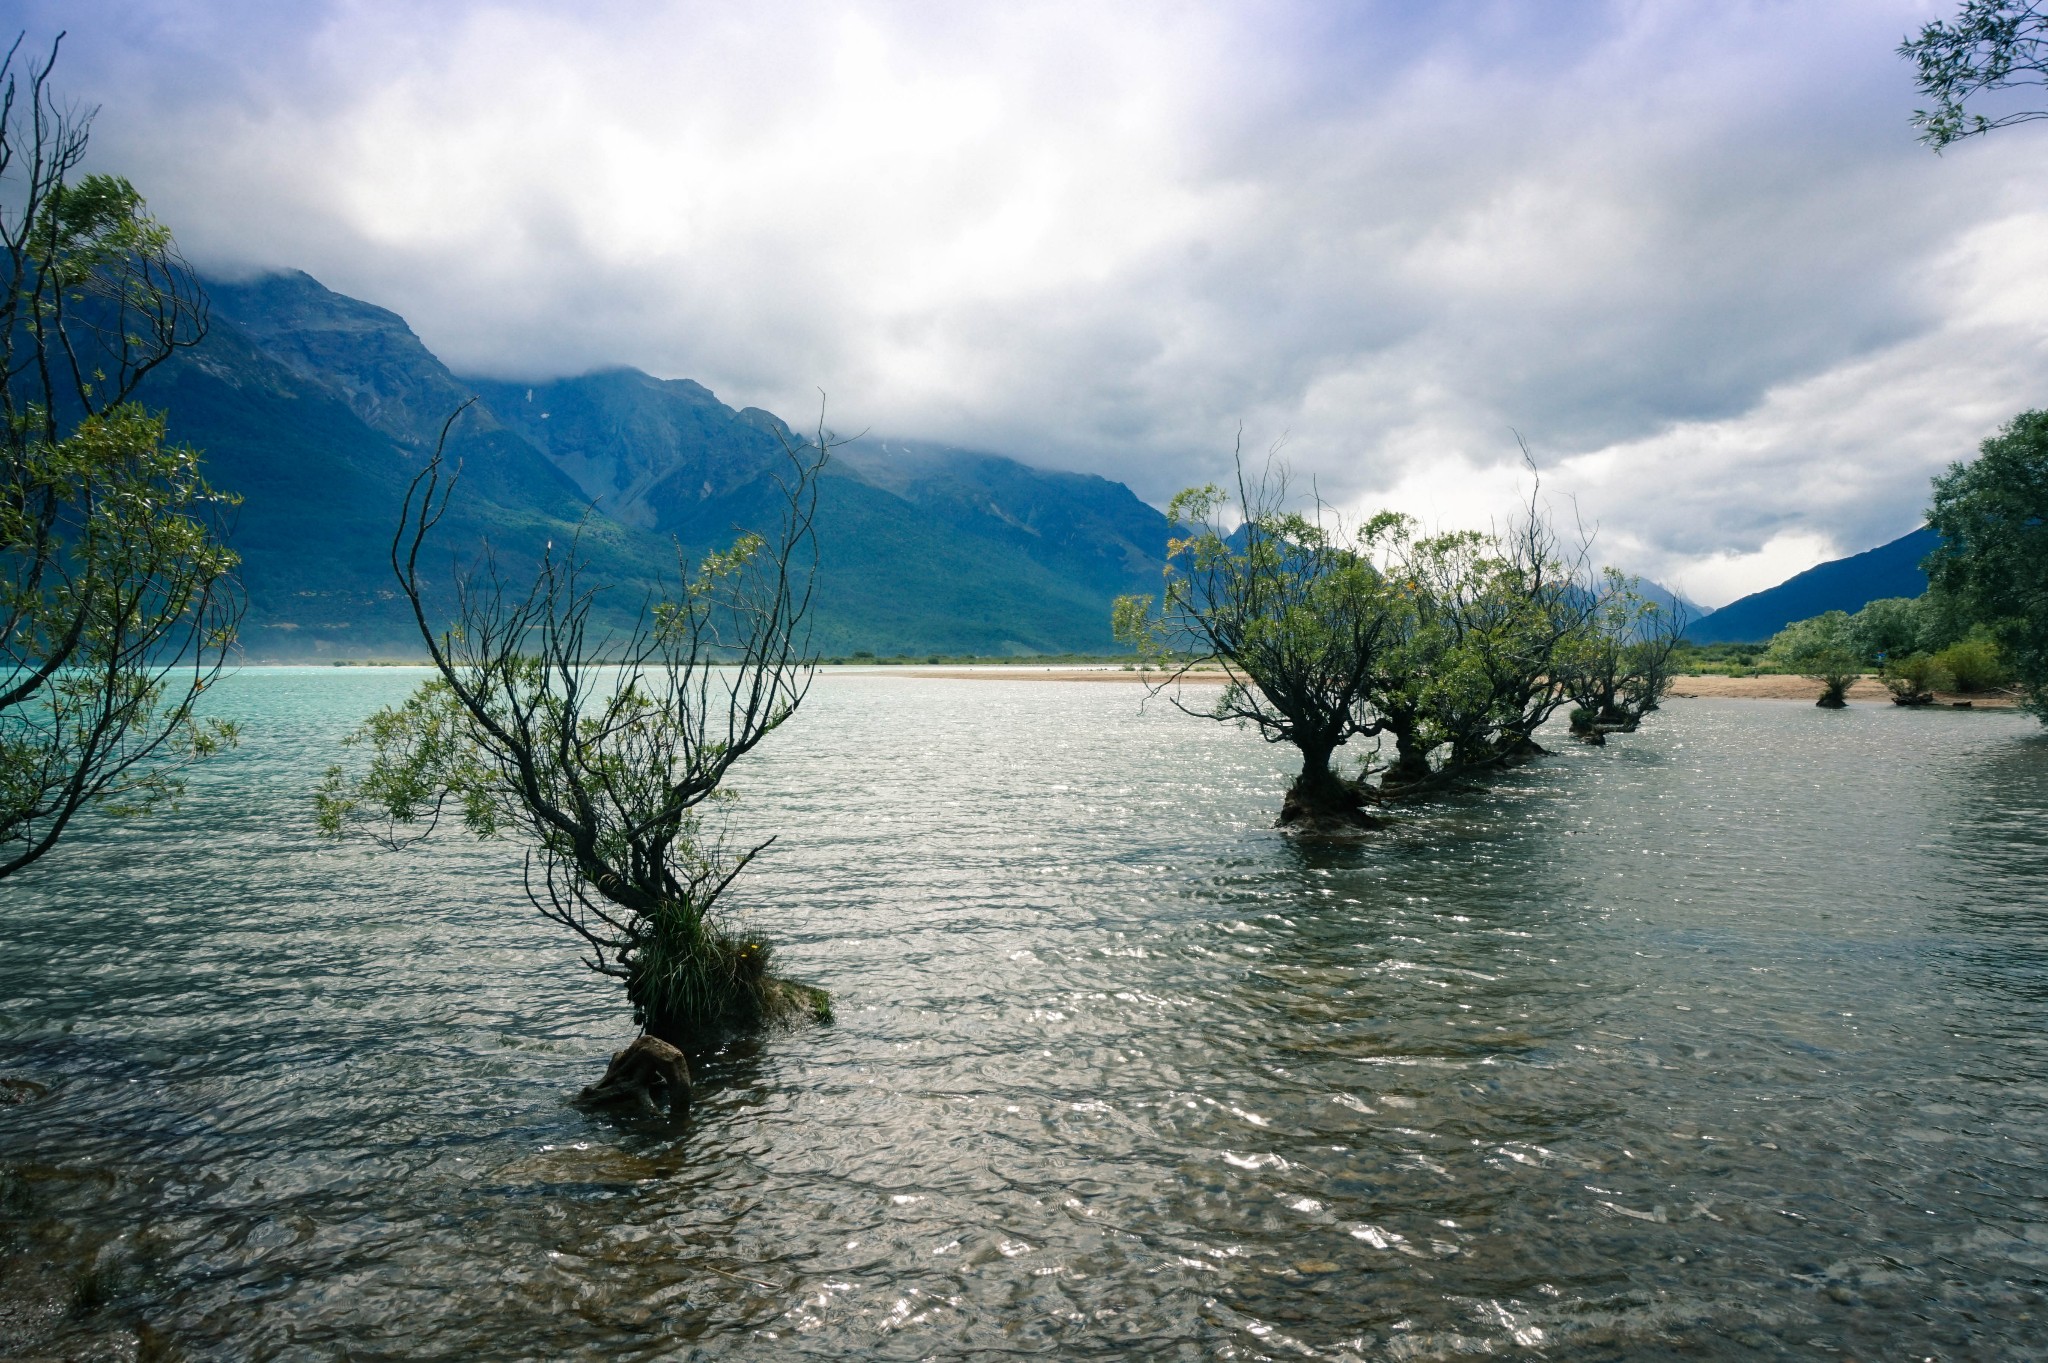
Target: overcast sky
(1691, 252)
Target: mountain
(318, 409)
(1846, 584)
(1673, 604)
(926, 548)
(321, 487)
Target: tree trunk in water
(1411, 763)
(1320, 797)
(636, 1074)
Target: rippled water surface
(1728, 1040)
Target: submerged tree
(116, 596)
(1292, 609)
(1822, 649)
(1449, 645)
(606, 751)
(1621, 665)
(1523, 610)
(1913, 678)
(1456, 693)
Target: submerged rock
(637, 1073)
(13, 1090)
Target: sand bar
(1022, 672)
(1866, 690)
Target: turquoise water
(1727, 1040)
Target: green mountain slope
(318, 409)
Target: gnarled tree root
(637, 1073)
(1337, 812)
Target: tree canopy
(605, 752)
(1990, 48)
(117, 601)
(1992, 514)
(1457, 647)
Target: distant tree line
(1983, 622)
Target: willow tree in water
(1486, 620)
(606, 752)
(117, 598)
(1452, 645)
(1621, 667)
(1292, 610)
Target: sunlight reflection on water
(1726, 1038)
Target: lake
(1728, 1040)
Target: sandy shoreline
(1023, 672)
(1866, 690)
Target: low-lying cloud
(1691, 254)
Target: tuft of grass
(696, 982)
(790, 1002)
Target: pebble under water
(1728, 1040)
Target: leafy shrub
(1915, 678)
(1887, 628)
(1823, 648)
(1975, 663)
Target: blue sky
(1691, 253)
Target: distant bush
(1887, 628)
(1915, 678)
(1975, 664)
(1728, 660)
(1823, 648)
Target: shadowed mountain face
(1847, 584)
(647, 451)
(318, 409)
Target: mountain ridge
(1847, 584)
(320, 408)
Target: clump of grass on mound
(693, 983)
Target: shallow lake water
(1727, 1040)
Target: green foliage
(95, 227)
(1944, 619)
(1292, 608)
(1974, 664)
(1619, 667)
(1915, 677)
(1728, 660)
(1452, 646)
(117, 604)
(1887, 628)
(1990, 46)
(1823, 648)
(1992, 516)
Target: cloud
(1692, 254)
